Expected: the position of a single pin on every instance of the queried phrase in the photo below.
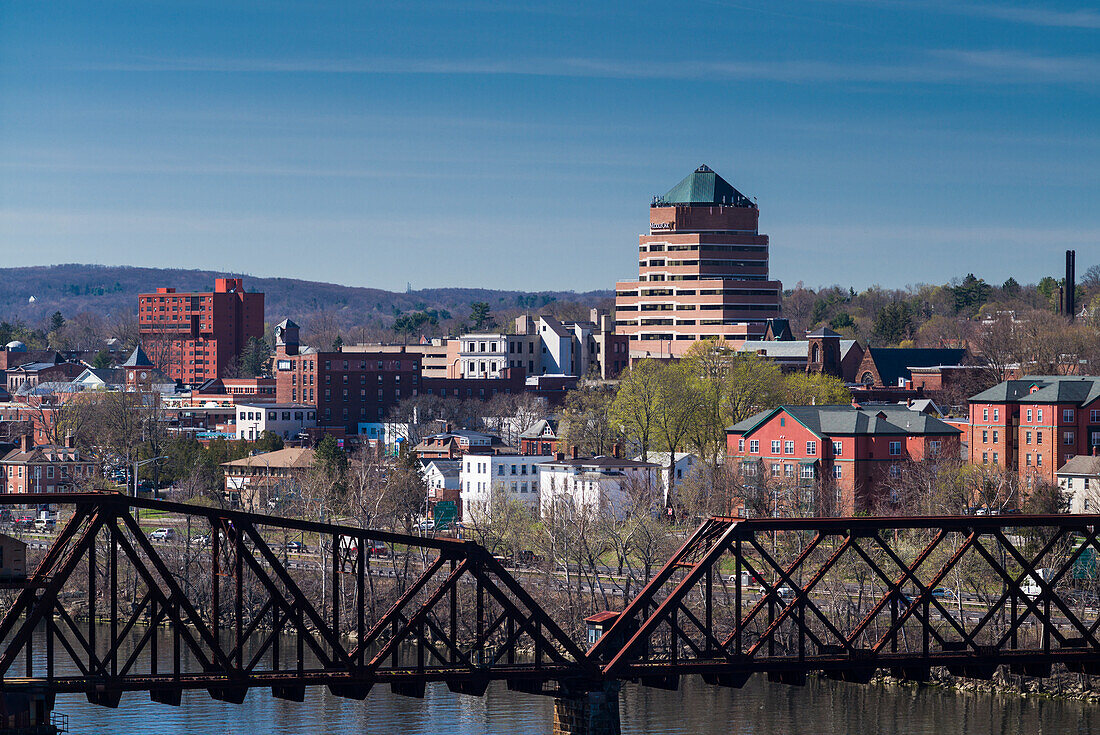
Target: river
(761, 708)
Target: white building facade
(513, 477)
(285, 420)
(596, 484)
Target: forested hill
(31, 295)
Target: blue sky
(515, 145)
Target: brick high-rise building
(194, 336)
(702, 271)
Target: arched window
(816, 353)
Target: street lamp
(140, 464)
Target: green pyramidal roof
(703, 187)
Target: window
(837, 472)
(985, 457)
(1094, 415)
(1027, 437)
(895, 471)
(996, 414)
(985, 436)
(740, 445)
(895, 448)
(1095, 438)
(788, 447)
(995, 460)
(500, 469)
(777, 470)
(788, 470)
(1067, 415)
(838, 449)
(985, 414)
(513, 469)
(1029, 414)
(934, 446)
(754, 446)
(1038, 460)
(1039, 415)
(811, 447)
(1067, 438)
(777, 446)
(1028, 463)
(996, 436)
(1038, 437)
(806, 472)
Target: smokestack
(617, 450)
(1071, 284)
(574, 452)
(26, 442)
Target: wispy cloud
(945, 66)
(1086, 18)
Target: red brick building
(1035, 424)
(48, 468)
(193, 337)
(846, 455)
(348, 388)
(702, 271)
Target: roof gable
(704, 187)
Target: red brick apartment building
(702, 271)
(1035, 424)
(44, 468)
(348, 388)
(853, 451)
(193, 337)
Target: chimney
(559, 456)
(1096, 451)
(26, 442)
(909, 402)
(1071, 284)
(574, 452)
(70, 441)
(617, 450)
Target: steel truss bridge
(108, 611)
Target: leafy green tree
(57, 321)
(331, 460)
(893, 323)
(102, 360)
(821, 310)
(480, 315)
(635, 406)
(1011, 287)
(843, 320)
(970, 294)
(817, 389)
(254, 358)
(338, 344)
(585, 421)
(409, 324)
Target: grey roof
(138, 358)
(1082, 464)
(894, 362)
(823, 332)
(848, 420)
(1078, 390)
(791, 349)
(34, 367)
(602, 463)
(555, 326)
(535, 430)
(446, 467)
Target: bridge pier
(588, 713)
(30, 712)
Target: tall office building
(196, 336)
(702, 271)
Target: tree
(1011, 287)
(57, 322)
(753, 385)
(480, 316)
(338, 344)
(409, 324)
(585, 419)
(331, 460)
(843, 320)
(102, 360)
(254, 358)
(635, 406)
(893, 323)
(1091, 278)
(678, 406)
(815, 389)
(970, 294)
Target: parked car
(295, 547)
(203, 540)
(943, 593)
(24, 521)
(426, 524)
(377, 548)
(163, 534)
(43, 524)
